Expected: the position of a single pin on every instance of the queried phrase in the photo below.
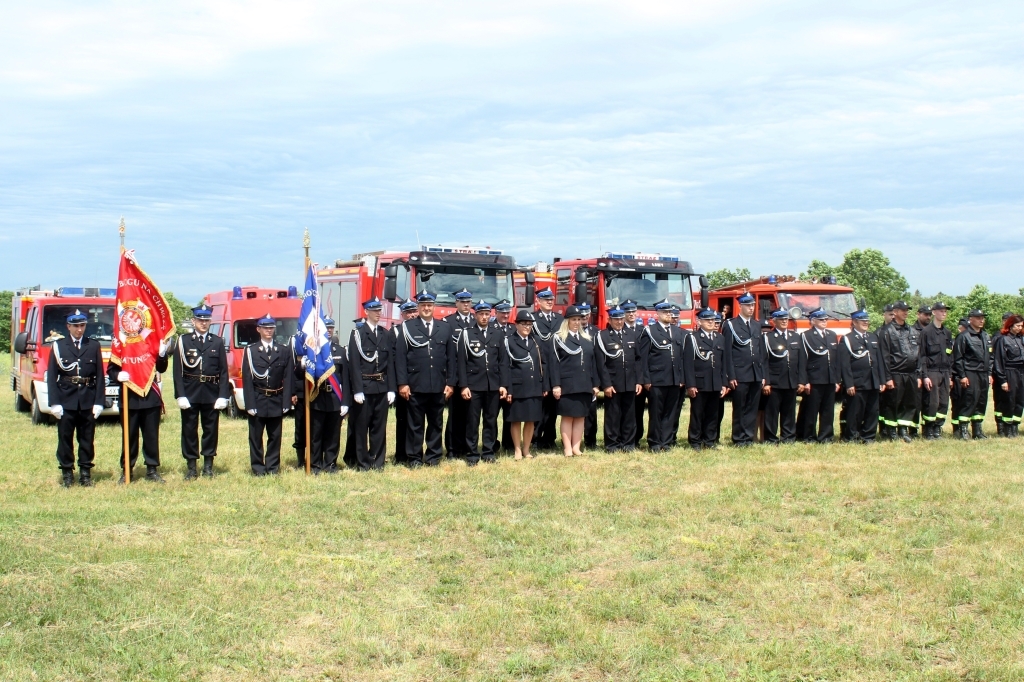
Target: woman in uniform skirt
(526, 382)
(574, 378)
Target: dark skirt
(575, 404)
(526, 409)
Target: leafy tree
(870, 274)
(725, 277)
(5, 320)
(817, 269)
(181, 311)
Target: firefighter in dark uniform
(820, 378)
(143, 418)
(590, 425)
(635, 327)
(546, 324)
(1000, 402)
(454, 442)
(618, 364)
(74, 385)
(924, 319)
(425, 371)
(1008, 374)
(502, 317)
(677, 411)
(299, 411)
(972, 371)
(480, 354)
(704, 376)
(372, 379)
(743, 370)
(954, 392)
(901, 350)
(408, 311)
(326, 411)
(661, 371)
(202, 389)
(782, 349)
(268, 380)
(937, 354)
(864, 379)
(527, 382)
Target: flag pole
(124, 393)
(305, 381)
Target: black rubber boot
(961, 431)
(977, 430)
(85, 478)
(903, 432)
(1001, 428)
(931, 431)
(191, 474)
(1013, 429)
(67, 478)
(153, 475)
(208, 467)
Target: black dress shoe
(153, 475)
(414, 464)
(85, 479)
(191, 474)
(67, 478)
(120, 481)
(208, 467)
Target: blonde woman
(574, 378)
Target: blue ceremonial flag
(316, 345)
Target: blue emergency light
(90, 292)
(293, 292)
(236, 294)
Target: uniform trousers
(745, 399)
(483, 405)
(426, 412)
(371, 426)
(401, 424)
(1000, 402)
(780, 416)
(1015, 396)
(903, 401)
(620, 421)
(300, 433)
(704, 411)
(144, 421)
(955, 400)
(324, 439)
(590, 427)
(266, 461)
(455, 430)
(638, 414)
(190, 421)
(76, 423)
(974, 398)
(935, 403)
(677, 413)
(861, 415)
(661, 406)
(817, 413)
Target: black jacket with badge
(819, 361)
(74, 376)
(743, 362)
(136, 402)
(660, 350)
(326, 399)
(618, 359)
(901, 348)
(525, 370)
(425, 364)
(937, 348)
(704, 361)
(573, 364)
(370, 359)
(782, 350)
(860, 362)
(200, 369)
(971, 353)
(480, 353)
(268, 378)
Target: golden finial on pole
(120, 229)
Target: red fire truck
(396, 276)
(615, 277)
(798, 297)
(38, 318)
(234, 317)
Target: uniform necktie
(78, 344)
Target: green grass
(835, 562)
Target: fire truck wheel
(20, 404)
(233, 411)
(37, 415)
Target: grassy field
(834, 562)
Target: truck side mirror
(704, 293)
(21, 342)
(581, 276)
(529, 295)
(391, 283)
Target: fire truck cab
(38, 318)
(774, 292)
(234, 316)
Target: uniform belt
(269, 391)
(79, 381)
(201, 378)
(379, 376)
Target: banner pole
(124, 393)
(305, 381)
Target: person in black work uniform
(574, 379)
(546, 323)
(202, 390)
(618, 364)
(143, 418)
(1008, 374)
(527, 382)
(501, 321)
(782, 350)
(704, 376)
(937, 359)
(327, 410)
(820, 378)
(924, 320)
(864, 379)
(76, 393)
(480, 355)
(373, 386)
(590, 425)
(636, 327)
(743, 370)
(1000, 399)
(408, 311)
(268, 380)
(955, 393)
(661, 373)
(901, 350)
(972, 371)
(455, 444)
(426, 374)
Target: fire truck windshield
(444, 281)
(246, 334)
(647, 288)
(99, 324)
(840, 305)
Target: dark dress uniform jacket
(425, 365)
(526, 374)
(326, 399)
(782, 351)
(459, 323)
(573, 373)
(363, 375)
(135, 401)
(860, 362)
(544, 328)
(480, 357)
(819, 361)
(661, 353)
(279, 365)
(618, 360)
(742, 350)
(201, 370)
(71, 371)
(704, 361)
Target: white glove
(123, 376)
(252, 412)
(163, 348)
(344, 410)
(97, 410)
(359, 398)
(304, 362)
(183, 403)
(58, 411)
(391, 398)
(220, 404)
(286, 410)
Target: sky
(732, 134)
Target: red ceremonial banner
(142, 321)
